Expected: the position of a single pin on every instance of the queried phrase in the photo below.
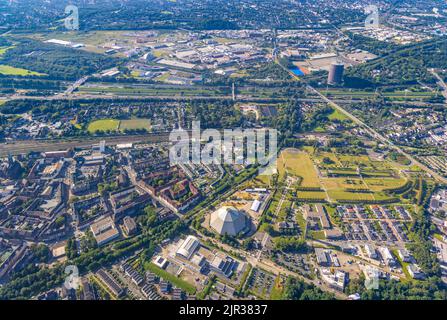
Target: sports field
(121, 125)
(134, 124)
(103, 125)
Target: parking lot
(261, 283)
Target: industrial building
(335, 75)
(188, 247)
(104, 231)
(371, 251)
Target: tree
(290, 244)
(298, 290)
(41, 253)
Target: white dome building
(228, 220)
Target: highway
(75, 85)
(441, 82)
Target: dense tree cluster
(405, 66)
(290, 244)
(395, 290)
(421, 231)
(55, 61)
(299, 290)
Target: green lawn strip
(244, 278)
(277, 290)
(179, 283)
(439, 237)
(404, 265)
(317, 235)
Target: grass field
(395, 95)
(379, 176)
(381, 184)
(8, 70)
(103, 125)
(344, 195)
(277, 290)
(113, 124)
(140, 90)
(344, 183)
(135, 124)
(179, 283)
(298, 163)
(337, 115)
(316, 235)
(163, 77)
(351, 160)
(311, 195)
(262, 181)
(92, 39)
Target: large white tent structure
(229, 221)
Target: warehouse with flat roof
(188, 247)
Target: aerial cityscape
(244, 150)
